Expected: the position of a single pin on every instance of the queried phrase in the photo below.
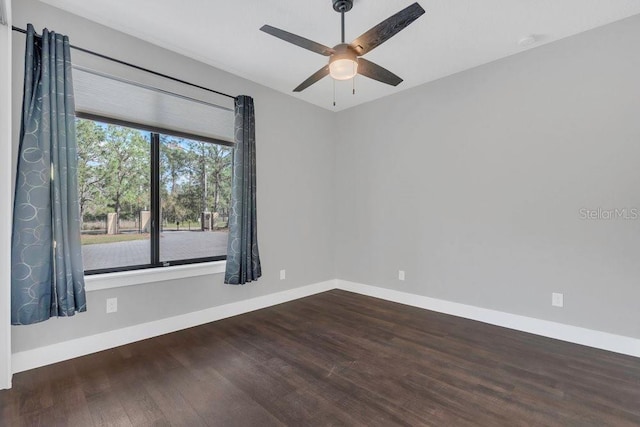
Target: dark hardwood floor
(335, 358)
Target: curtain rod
(137, 67)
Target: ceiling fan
(345, 60)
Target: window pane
(114, 192)
(195, 193)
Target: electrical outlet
(112, 305)
(400, 274)
(557, 300)
(283, 274)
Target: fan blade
(318, 75)
(297, 40)
(376, 72)
(386, 29)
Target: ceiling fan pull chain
(354, 79)
(334, 92)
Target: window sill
(100, 282)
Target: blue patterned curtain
(243, 259)
(47, 276)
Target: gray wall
(473, 184)
(295, 188)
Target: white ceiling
(452, 36)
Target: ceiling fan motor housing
(344, 51)
(342, 5)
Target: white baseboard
(42, 356)
(54, 353)
(574, 334)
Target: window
(195, 195)
(150, 198)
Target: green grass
(92, 239)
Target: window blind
(110, 96)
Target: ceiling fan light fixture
(343, 64)
(343, 69)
